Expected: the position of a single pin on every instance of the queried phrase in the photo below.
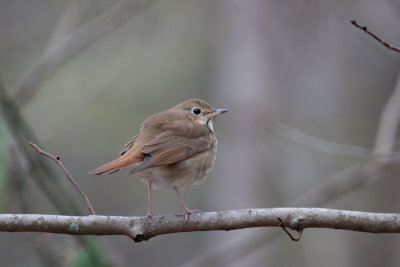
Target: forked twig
(300, 232)
(376, 37)
(67, 173)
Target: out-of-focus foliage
(83, 258)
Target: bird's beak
(218, 111)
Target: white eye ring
(196, 111)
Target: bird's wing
(128, 145)
(166, 149)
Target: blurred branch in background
(379, 161)
(335, 186)
(35, 168)
(38, 170)
(388, 124)
(318, 145)
(143, 228)
(360, 174)
(61, 49)
(390, 116)
(70, 19)
(65, 41)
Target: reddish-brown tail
(114, 165)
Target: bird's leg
(187, 211)
(150, 213)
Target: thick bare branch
(143, 228)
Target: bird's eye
(196, 110)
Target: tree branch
(34, 167)
(299, 233)
(143, 228)
(67, 173)
(376, 37)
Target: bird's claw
(188, 212)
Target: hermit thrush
(174, 149)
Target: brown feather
(173, 137)
(168, 150)
(128, 145)
(114, 165)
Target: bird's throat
(210, 125)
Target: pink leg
(187, 211)
(150, 213)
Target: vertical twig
(40, 171)
(67, 173)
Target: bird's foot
(188, 212)
(149, 214)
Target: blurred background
(305, 91)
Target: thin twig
(142, 228)
(67, 173)
(36, 168)
(365, 29)
(40, 171)
(299, 232)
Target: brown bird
(174, 149)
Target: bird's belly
(183, 174)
